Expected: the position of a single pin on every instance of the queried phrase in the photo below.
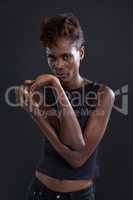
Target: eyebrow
(68, 54)
(64, 54)
(51, 55)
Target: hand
(44, 80)
(26, 101)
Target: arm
(93, 133)
(70, 130)
(47, 130)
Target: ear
(82, 52)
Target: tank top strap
(92, 96)
(93, 86)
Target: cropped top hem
(90, 177)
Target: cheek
(73, 69)
(51, 64)
(75, 63)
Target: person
(73, 118)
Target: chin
(65, 79)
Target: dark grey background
(108, 31)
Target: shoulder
(106, 92)
(105, 99)
(103, 90)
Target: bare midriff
(62, 185)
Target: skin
(66, 58)
(75, 147)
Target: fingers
(17, 94)
(34, 87)
(40, 81)
(22, 95)
(35, 110)
(29, 81)
(26, 96)
(22, 90)
(26, 102)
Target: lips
(61, 74)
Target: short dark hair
(64, 25)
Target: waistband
(36, 186)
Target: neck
(74, 83)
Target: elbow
(81, 146)
(76, 164)
(75, 158)
(78, 147)
(75, 146)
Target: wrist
(55, 81)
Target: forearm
(70, 131)
(72, 157)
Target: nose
(59, 66)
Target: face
(64, 59)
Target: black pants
(38, 191)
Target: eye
(66, 57)
(51, 58)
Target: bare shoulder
(106, 92)
(105, 89)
